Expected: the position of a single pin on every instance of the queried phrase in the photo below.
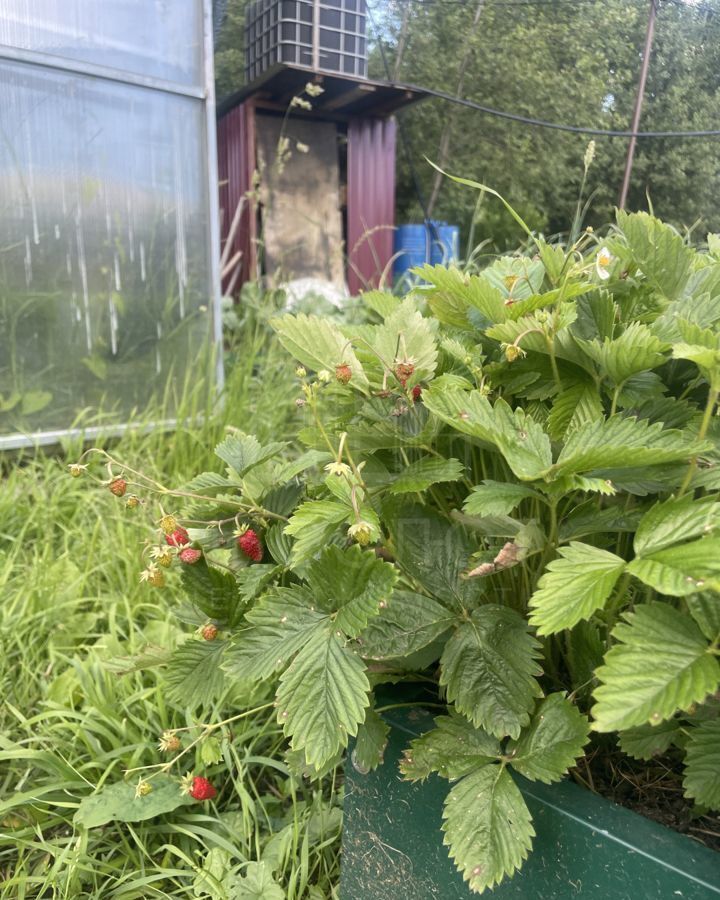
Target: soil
(652, 789)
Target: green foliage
(85, 698)
(552, 742)
(489, 668)
(661, 663)
(535, 527)
(702, 773)
(371, 742)
(322, 697)
(487, 827)
(574, 587)
(454, 748)
(119, 803)
(194, 675)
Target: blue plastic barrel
(412, 248)
(445, 245)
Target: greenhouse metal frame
(198, 89)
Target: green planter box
(585, 846)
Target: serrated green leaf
(319, 344)
(281, 623)
(242, 452)
(636, 350)
(552, 742)
(681, 570)
(574, 587)
(312, 524)
(596, 316)
(622, 443)
(531, 332)
(660, 664)
(705, 609)
(487, 827)
(452, 749)
(422, 473)
(214, 592)
(209, 483)
(702, 764)
(279, 544)
(382, 302)
(371, 742)
(406, 624)
(308, 460)
(588, 519)
(489, 668)
(322, 697)
(447, 294)
(210, 751)
(193, 675)
(674, 521)
(118, 803)
(208, 881)
(648, 741)
(657, 250)
(256, 884)
(574, 407)
(406, 334)
(518, 437)
(495, 498)
(434, 553)
(352, 584)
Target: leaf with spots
(487, 826)
(322, 697)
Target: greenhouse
(108, 210)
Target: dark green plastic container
(585, 846)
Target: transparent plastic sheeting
(106, 286)
(160, 38)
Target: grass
(72, 604)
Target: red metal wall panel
(236, 165)
(370, 201)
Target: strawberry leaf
(489, 668)
(552, 742)
(487, 826)
(660, 664)
(574, 587)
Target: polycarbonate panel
(105, 278)
(160, 38)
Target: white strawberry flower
(603, 262)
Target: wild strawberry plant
(507, 482)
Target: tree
(573, 63)
(570, 62)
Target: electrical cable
(526, 120)
(558, 126)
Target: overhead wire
(522, 119)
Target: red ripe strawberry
(118, 486)
(403, 371)
(416, 393)
(202, 789)
(178, 538)
(343, 373)
(249, 544)
(189, 556)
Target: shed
(335, 189)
